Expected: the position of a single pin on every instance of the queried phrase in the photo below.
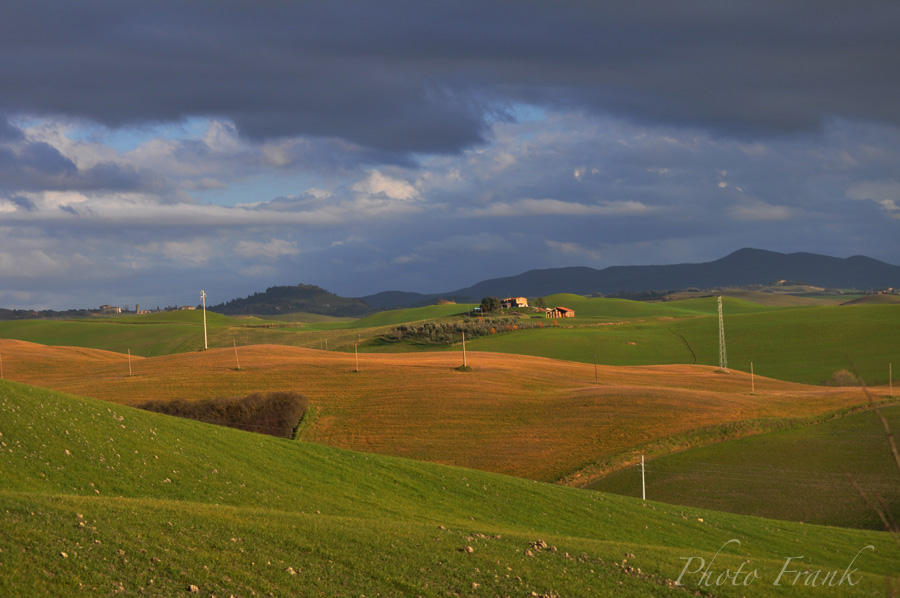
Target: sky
(152, 150)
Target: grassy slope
(526, 416)
(798, 474)
(780, 296)
(803, 344)
(875, 300)
(308, 318)
(769, 298)
(144, 504)
(182, 331)
(413, 314)
(806, 345)
(624, 308)
(147, 335)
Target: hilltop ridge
(743, 267)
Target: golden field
(531, 417)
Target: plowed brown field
(525, 416)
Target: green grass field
(101, 499)
(150, 335)
(800, 474)
(801, 345)
(625, 309)
(413, 314)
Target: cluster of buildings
(114, 309)
(553, 312)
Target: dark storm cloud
(33, 166)
(428, 77)
(30, 166)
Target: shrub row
(274, 413)
(451, 332)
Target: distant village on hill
(103, 310)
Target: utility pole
(752, 382)
(205, 339)
(464, 348)
(643, 481)
(596, 377)
(238, 361)
(129, 362)
(723, 359)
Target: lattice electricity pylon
(723, 358)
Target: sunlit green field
(802, 344)
(101, 499)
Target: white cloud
(480, 244)
(318, 193)
(760, 211)
(30, 264)
(23, 255)
(569, 248)
(222, 137)
(502, 161)
(884, 192)
(555, 207)
(196, 252)
(349, 240)
(266, 249)
(377, 183)
(409, 259)
(115, 211)
(57, 199)
(258, 271)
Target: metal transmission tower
(723, 359)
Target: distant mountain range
(741, 268)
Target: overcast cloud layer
(150, 151)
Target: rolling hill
(797, 343)
(288, 299)
(532, 417)
(107, 500)
(741, 268)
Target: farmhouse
(560, 312)
(514, 302)
(110, 309)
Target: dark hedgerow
(274, 413)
